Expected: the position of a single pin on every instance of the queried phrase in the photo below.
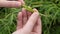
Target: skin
(27, 22)
(12, 4)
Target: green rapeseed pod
(30, 9)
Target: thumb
(31, 22)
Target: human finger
(10, 4)
(19, 21)
(38, 25)
(31, 22)
(24, 13)
(28, 14)
(22, 1)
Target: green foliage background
(48, 9)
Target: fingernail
(35, 10)
(18, 4)
(23, 10)
(36, 14)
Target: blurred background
(49, 11)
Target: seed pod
(28, 8)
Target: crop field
(49, 11)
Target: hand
(7, 3)
(28, 23)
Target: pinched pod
(28, 8)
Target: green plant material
(28, 8)
(49, 11)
